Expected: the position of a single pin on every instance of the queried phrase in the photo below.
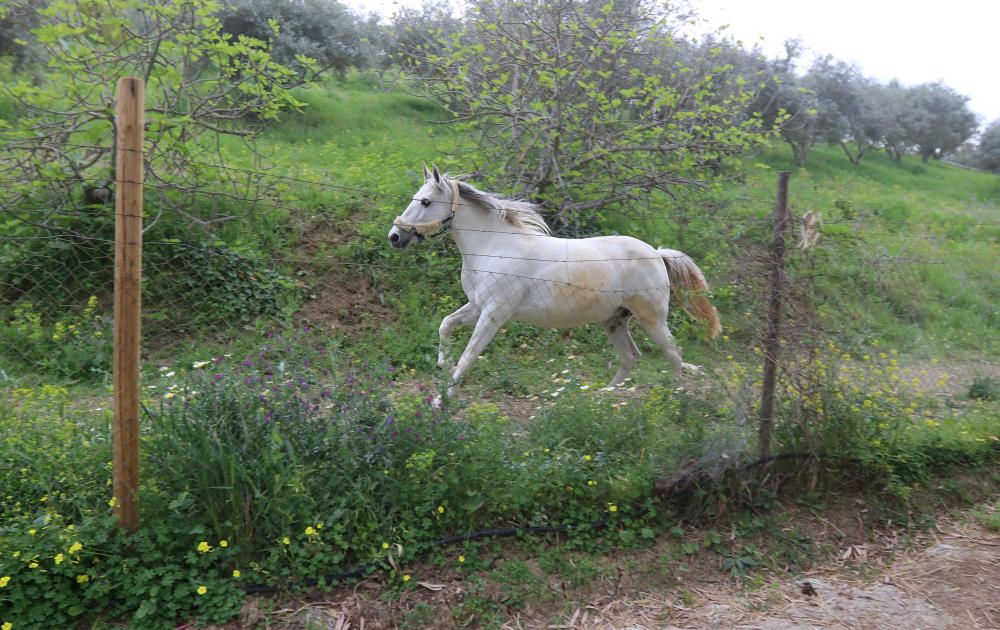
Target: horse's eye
(425, 202)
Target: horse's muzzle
(399, 238)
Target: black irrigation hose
(770, 458)
(367, 569)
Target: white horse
(513, 269)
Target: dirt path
(953, 584)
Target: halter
(421, 230)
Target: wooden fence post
(128, 299)
(772, 337)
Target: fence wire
(222, 261)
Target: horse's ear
(437, 174)
(427, 173)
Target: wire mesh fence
(241, 247)
(203, 270)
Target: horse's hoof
(692, 368)
(438, 402)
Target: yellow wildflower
(202, 590)
(59, 558)
(7, 626)
(461, 558)
(406, 578)
(204, 547)
(286, 541)
(440, 509)
(223, 543)
(612, 507)
(75, 548)
(236, 573)
(310, 531)
(4, 581)
(83, 578)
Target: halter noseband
(422, 230)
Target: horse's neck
(477, 230)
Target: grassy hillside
(908, 253)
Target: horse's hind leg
(621, 338)
(654, 321)
(468, 315)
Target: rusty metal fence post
(772, 336)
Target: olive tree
(937, 120)
(784, 102)
(988, 151)
(844, 106)
(586, 105)
(323, 30)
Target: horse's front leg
(487, 326)
(468, 315)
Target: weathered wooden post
(128, 299)
(772, 337)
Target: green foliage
(988, 150)
(200, 85)
(866, 411)
(59, 572)
(324, 31)
(984, 388)
(221, 286)
(595, 113)
(74, 346)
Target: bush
(76, 346)
(866, 412)
(984, 388)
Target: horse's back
(571, 282)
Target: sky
(956, 42)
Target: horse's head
(431, 211)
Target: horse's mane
(521, 214)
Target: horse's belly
(563, 306)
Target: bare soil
(343, 300)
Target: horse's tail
(689, 287)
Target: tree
(783, 102)
(844, 109)
(586, 105)
(988, 151)
(323, 30)
(889, 106)
(416, 35)
(16, 22)
(200, 84)
(938, 119)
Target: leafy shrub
(217, 284)
(984, 388)
(866, 411)
(76, 346)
